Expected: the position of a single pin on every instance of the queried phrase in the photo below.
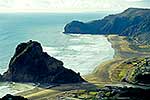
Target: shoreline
(14, 88)
(91, 53)
(98, 78)
(122, 52)
(38, 92)
(103, 60)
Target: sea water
(81, 53)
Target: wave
(13, 88)
(84, 54)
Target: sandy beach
(122, 53)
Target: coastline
(103, 60)
(14, 88)
(34, 93)
(38, 92)
(103, 73)
(100, 76)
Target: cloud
(56, 5)
(65, 5)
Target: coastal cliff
(133, 22)
(31, 64)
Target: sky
(70, 5)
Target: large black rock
(31, 64)
(133, 22)
(11, 97)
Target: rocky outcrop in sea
(31, 64)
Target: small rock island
(31, 64)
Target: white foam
(76, 47)
(84, 53)
(9, 88)
(50, 50)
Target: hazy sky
(69, 5)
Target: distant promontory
(133, 22)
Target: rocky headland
(31, 64)
(133, 22)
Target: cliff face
(132, 22)
(31, 64)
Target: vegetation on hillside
(134, 70)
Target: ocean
(81, 53)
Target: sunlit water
(81, 53)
